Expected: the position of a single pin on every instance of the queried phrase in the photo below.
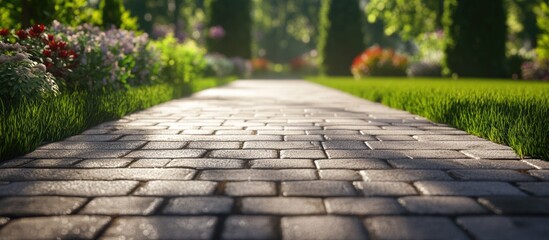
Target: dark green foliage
(37, 12)
(235, 18)
(111, 13)
(31, 123)
(476, 36)
(341, 38)
(504, 111)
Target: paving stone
(506, 228)
(249, 227)
(258, 174)
(164, 145)
(344, 145)
(490, 175)
(426, 164)
(237, 189)
(312, 154)
(3, 221)
(350, 164)
(60, 227)
(491, 154)
(208, 138)
(517, 205)
(26, 174)
(493, 164)
(52, 163)
(339, 174)
(214, 145)
(448, 138)
(394, 132)
(104, 163)
(207, 163)
(41, 205)
(244, 154)
(403, 175)
(160, 131)
(395, 138)
(542, 174)
(535, 188)
(441, 205)
(283, 145)
(281, 163)
(322, 227)
(183, 153)
(176, 188)
(303, 138)
(234, 132)
(68, 188)
(121, 206)
(282, 205)
(539, 164)
(14, 162)
(165, 227)
(150, 163)
(351, 127)
(413, 228)
(78, 153)
(333, 132)
(363, 206)
(386, 188)
(198, 131)
(199, 205)
(346, 137)
(432, 154)
(94, 138)
(317, 188)
(375, 154)
(444, 145)
(467, 188)
(94, 145)
(281, 132)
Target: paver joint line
(274, 159)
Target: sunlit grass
(30, 124)
(515, 113)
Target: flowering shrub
(23, 78)
(425, 69)
(260, 64)
(41, 47)
(376, 61)
(536, 70)
(218, 65)
(242, 67)
(216, 32)
(115, 59)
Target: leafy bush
(542, 12)
(376, 61)
(113, 13)
(23, 78)
(180, 62)
(260, 64)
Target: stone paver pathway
(274, 159)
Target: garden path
(274, 159)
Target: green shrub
(476, 35)
(113, 13)
(234, 16)
(180, 62)
(341, 37)
(542, 49)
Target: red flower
(47, 53)
(61, 45)
(52, 45)
(73, 54)
(22, 34)
(63, 54)
(51, 37)
(49, 65)
(38, 28)
(4, 32)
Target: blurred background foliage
(281, 31)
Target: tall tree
(476, 36)
(341, 37)
(235, 18)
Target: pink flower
(216, 32)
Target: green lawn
(515, 113)
(29, 125)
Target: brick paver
(273, 160)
